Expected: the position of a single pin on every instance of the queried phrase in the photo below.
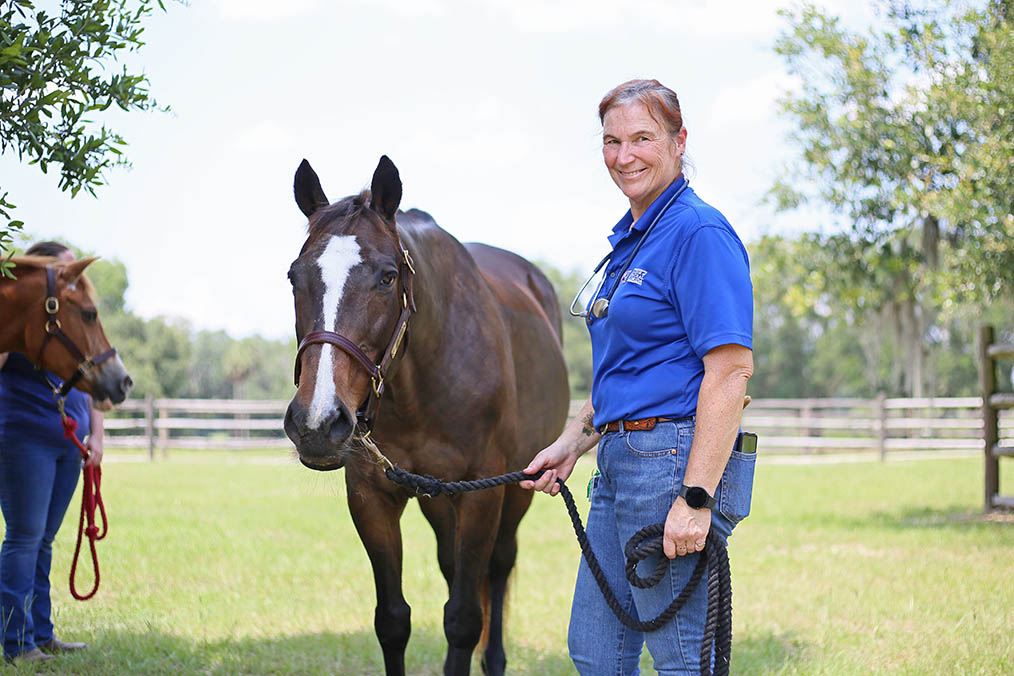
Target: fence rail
(879, 426)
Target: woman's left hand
(94, 448)
(686, 529)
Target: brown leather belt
(641, 425)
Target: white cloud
(753, 102)
(698, 19)
(265, 10)
(273, 10)
(263, 135)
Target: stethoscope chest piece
(600, 308)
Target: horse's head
(77, 319)
(351, 289)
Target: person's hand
(557, 460)
(94, 448)
(686, 529)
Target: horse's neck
(17, 296)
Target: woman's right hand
(558, 460)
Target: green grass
(218, 566)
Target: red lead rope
(91, 497)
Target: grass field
(217, 565)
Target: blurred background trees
(57, 77)
(905, 133)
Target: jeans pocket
(737, 486)
(662, 440)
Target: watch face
(697, 497)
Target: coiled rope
(91, 498)
(644, 543)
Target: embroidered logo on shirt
(634, 276)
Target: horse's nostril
(126, 383)
(340, 426)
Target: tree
(577, 351)
(902, 131)
(56, 78)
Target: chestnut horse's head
(63, 335)
(351, 285)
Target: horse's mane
(35, 261)
(42, 261)
(344, 210)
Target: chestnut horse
(55, 323)
(472, 384)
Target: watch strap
(709, 502)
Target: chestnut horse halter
(54, 330)
(366, 415)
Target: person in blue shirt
(39, 471)
(671, 357)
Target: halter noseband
(54, 330)
(377, 371)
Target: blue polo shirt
(28, 412)
(687, 291)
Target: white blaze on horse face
(338, 259)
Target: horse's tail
(545, 294)
(486, 599)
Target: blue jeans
(641, 474)
(36, 486)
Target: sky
(488, 108)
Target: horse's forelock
(37, 262)
(333, 218)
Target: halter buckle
(378, 385)
(408, 259)
(52, 305)
(50, 323)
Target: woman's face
(642, 158)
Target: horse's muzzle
(324, 446)
(111, 382)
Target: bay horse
(461, 344)
(49, 313)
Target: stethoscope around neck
(600, 306)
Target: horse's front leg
(376, 515)
(477, 520)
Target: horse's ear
(385, 190)
(71, 272)
(309, 195)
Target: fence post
(881, 410)
(805, 413)
(990, 431)
(163, 431)
(149, 425)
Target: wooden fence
(878, 426)
(995, 404)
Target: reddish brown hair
(660, 101)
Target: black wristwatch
(697, 497)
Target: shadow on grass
(948, 518)
(156, 653)
(765, 653)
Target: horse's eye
(388, 278)
(89, 315)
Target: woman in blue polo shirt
(39, 470)
(671, 359)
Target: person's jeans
(641, 475)
(36, 486)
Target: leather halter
(377, 371)
(54, 330)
